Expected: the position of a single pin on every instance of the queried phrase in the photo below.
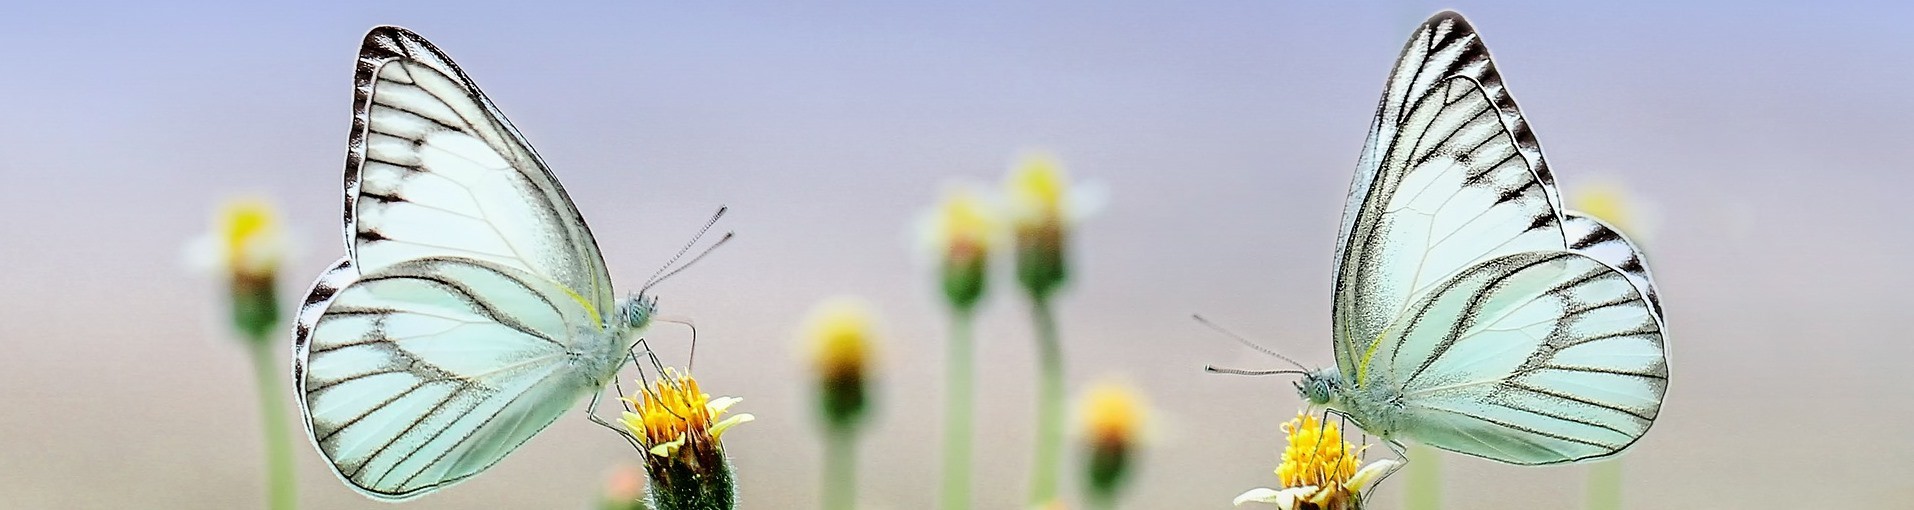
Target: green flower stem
(1043, 478)
(1605, 485)
(958, 421)
(1424, 491)
(272, 413)
(840, 468)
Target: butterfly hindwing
(427, 371)
(1592, 237)
(1533, 358)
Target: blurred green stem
(1424, 491)
(840, 468)
(1605, 485)
(1043, 478)
(272, 414)
(958, 422)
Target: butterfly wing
(434, 169)
(1450, 176)
(1592, 237)
(422, 373)
(1533, 358)
(438, 345)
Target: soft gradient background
(1771, 142)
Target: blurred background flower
(1114, 417)
(840, 335)
(1612, 202)
(245, 247)
(962, 230)
(1043, 208)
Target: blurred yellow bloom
(676, 414)
(1041, 209)
(1319, 469)
(964, 224)
(1113, 418)
(1113, 414)
(1038, 189)
(840, 334)
(962, 231)
(252, 239)
(1613, 204)
(246, 245)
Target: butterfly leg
(1402, 452)
(591, 413)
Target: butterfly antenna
(654, 279)
(687, 265)
(1238, 371)
(1245, 341)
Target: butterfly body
(1472, 312)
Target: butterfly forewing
(1455, 189)
(434, 169)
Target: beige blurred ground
(1772, 146)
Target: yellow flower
(675, 414)
(252, 240)
(840, 336)
(246, 246)
(1113, 420)
(1038, 189)
(678, 425)
(961, 231)
(1041, 208)
(1319, 469)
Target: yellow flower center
(249, 231)
(1316, 455)
(1604, 201)
(1038, 188)
(964, 225)
(840, 335)
(1113, 414)
(676, 412)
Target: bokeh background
(1767, 144)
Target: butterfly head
(1319, 387)
(636, 311)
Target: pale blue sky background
(1770, 142)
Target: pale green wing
(435, 170)
(1450, 176)
(1534, 358)
(422, 373)
(439, 344)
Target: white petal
(1284, 499)
(1370, 472)
(718, 405)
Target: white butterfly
(1472, 313)
(472, 307)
